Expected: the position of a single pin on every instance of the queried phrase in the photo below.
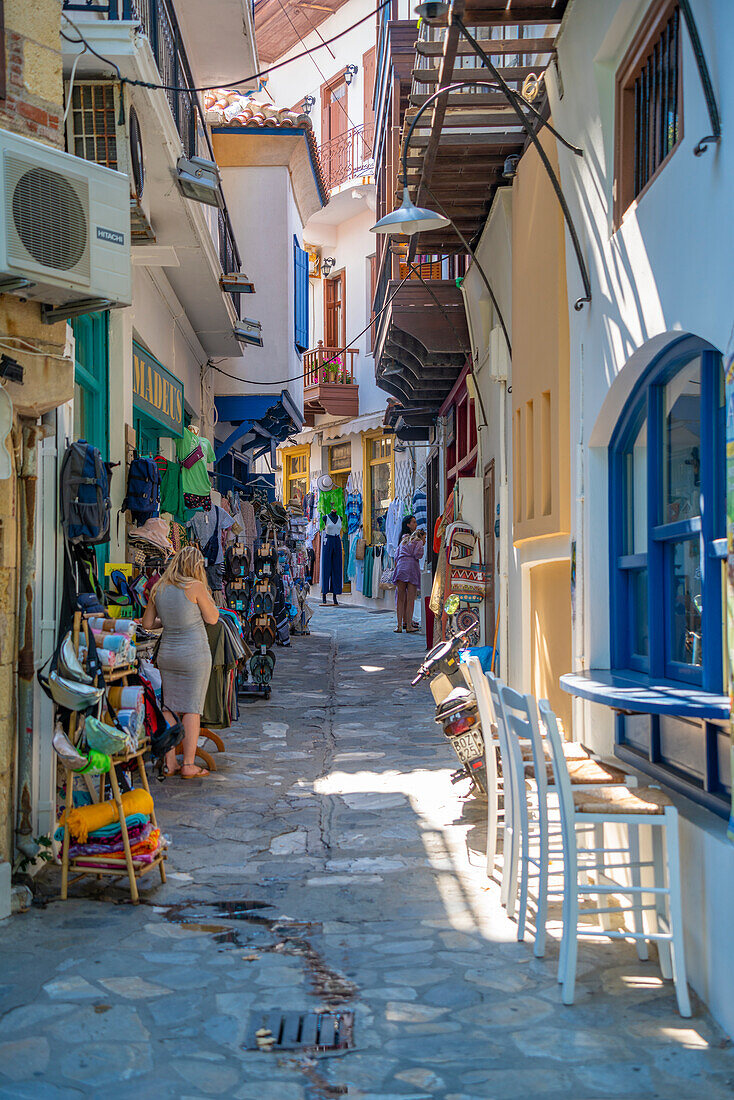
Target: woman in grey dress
(181, 603)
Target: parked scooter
(456, 707)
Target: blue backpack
(85, 495)
(143, 488)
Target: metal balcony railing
(158, 21)
(348, 156)
(323, 365)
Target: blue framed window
(668, 557)
(668, 464)
(300, 309)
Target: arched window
(668, 520)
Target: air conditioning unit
(65, 229)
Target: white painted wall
(265, 219)
(289, 85)
(666, 270)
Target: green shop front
(158, 402)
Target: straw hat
(324, 483)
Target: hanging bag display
(143, 488)
(469, 580)
(84, 491)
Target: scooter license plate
(468, 746)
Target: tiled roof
(232, 108)
(228, 107)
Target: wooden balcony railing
(348, 156)
(323, 365)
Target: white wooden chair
(530, 758)
(639, 807)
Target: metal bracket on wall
(708, 89)
(529, 130)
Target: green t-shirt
(196, 479)
(331, 501)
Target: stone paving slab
(332, 807)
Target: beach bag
(84, 491)
(360, 549)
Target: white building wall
(265, 219)
(666, 270)
(288, 86)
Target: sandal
(200, 773)
(412, 630)
(398, 630)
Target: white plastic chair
(635, 808)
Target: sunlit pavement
(333, 807)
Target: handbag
(360, 549)
(104, 738)
(386, 580)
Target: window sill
(636, 693)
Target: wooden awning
(458, 150)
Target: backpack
(84, 490)
(143, 481)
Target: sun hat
(155, 531)
(324, 483)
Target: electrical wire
(318, 68)
(222, 83)
(337, 353)
(70, 93)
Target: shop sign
(157, 392)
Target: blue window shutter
(300, 269)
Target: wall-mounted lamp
(327, 265)
(510, 167)
(350, 72)
(309, 102)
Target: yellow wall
(540, 353)
(550, 626)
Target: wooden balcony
(328, 383)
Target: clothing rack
(133, 869)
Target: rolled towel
(85, 819)
(113, 626)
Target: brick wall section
(33, 105)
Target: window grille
(656, 104)
(94, 123)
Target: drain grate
(300, 1031)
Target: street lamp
(350, 72)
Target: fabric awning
(259, 422)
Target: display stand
(94, 864)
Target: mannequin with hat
(331, 521)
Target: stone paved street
(332, 806)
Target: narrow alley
(330, 864)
